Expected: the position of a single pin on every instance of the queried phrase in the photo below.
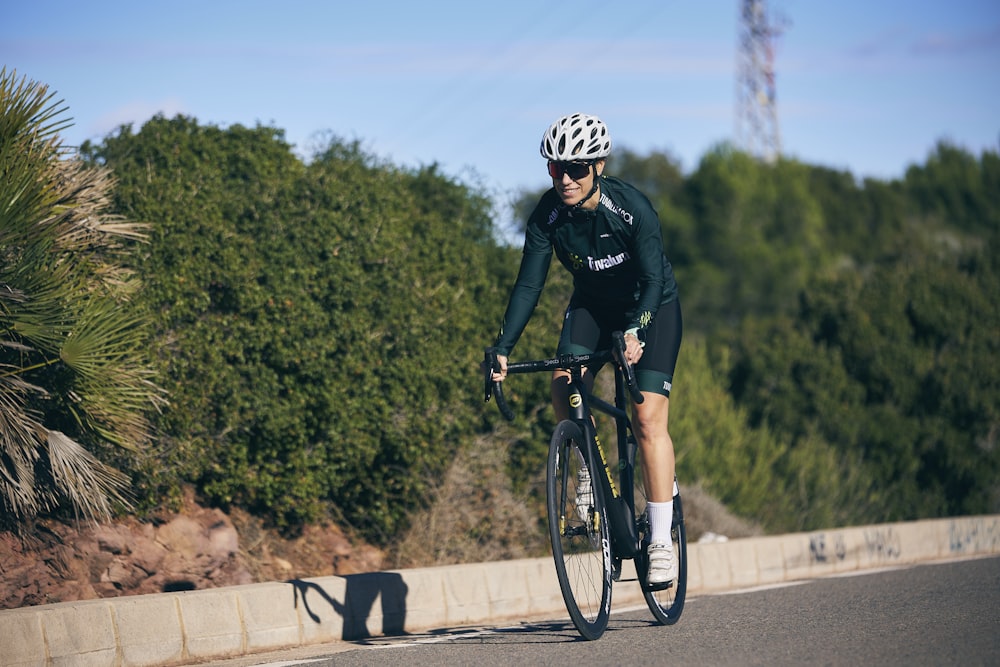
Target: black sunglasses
(576, 170)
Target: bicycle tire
(666, 604)
(581, 545)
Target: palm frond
(29, 145)
(72, 367)
(18, 426)
(27, 104)
(90, 485)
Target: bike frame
(620, 502)
(620, 497)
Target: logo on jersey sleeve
(616, 209)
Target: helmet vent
(576, 137)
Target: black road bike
(596, 508)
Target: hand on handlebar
(497, 376)
(633, 349)
(494, 371)
(627, 351)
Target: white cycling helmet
(576, 137)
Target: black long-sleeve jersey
(614, 252)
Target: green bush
(313, 321)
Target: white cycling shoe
(662, 565)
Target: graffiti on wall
(882, 543)
(825, 548)
(974, 535)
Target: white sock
(660, 516)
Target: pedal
(660, 587)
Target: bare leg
(650, 427)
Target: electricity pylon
(756, 94)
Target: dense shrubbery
(319, 326)
(896, 370)
(882, 360)
(314, 321)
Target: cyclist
(606, 233)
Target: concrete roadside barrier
(191, 626)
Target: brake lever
(627, 370)
(494, 389)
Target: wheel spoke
(578, 531)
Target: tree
(955, 188)
(891, 369)
(74, 389)
(758, 237)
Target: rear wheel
(578, 529)
(666, 604)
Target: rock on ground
(196, 548)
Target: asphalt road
(934, 614)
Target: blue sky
(864, 86)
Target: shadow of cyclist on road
(359, 599)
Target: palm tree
(74, 386)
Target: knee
(649, 427)
(650, 421)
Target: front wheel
(666, 604)
(578, 529)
